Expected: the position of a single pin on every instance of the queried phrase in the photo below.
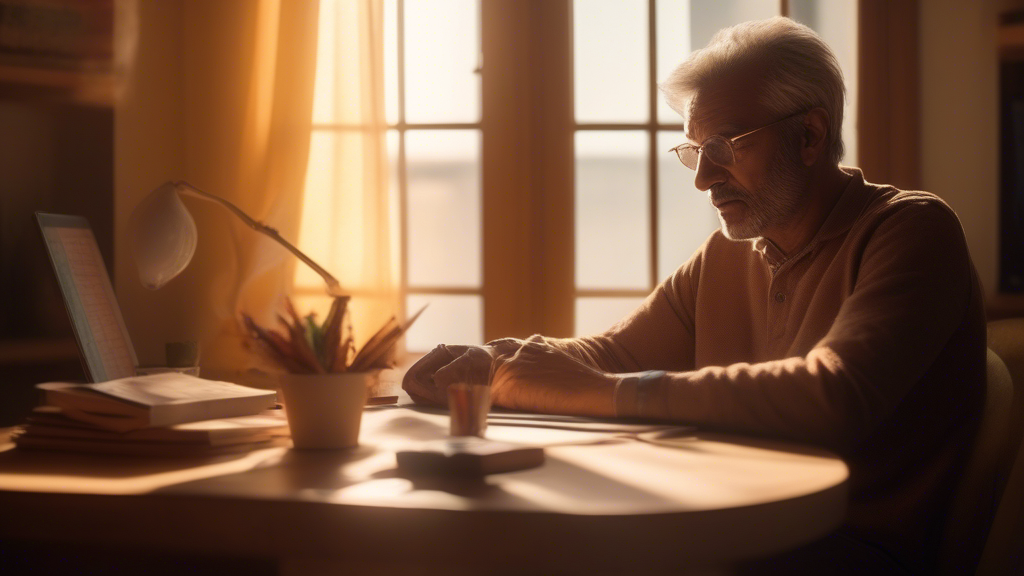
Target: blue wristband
(633, 391)
(645, 385)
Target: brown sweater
(870, 341)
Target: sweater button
(780, 297)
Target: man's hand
(523, 374)
(540, 377)
(428, 379)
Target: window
(436, 135)
(637, 213)
(532, 189)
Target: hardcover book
(154, 400)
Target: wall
(959, 121)
(149, 150)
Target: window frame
(528, 189)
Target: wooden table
(604, 502)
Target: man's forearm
(551, 397)
(593, 351)
(812, 399)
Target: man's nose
(708, 174)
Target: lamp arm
(333, 286)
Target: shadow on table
(98, 466)
(773, 449)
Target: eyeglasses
(718, 148)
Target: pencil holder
(325, 410)
(468, 405)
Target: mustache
(724, 193)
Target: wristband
(633, 392)
(645, 388)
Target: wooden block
(467, 456)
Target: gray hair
(800, 71)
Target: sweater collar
(846, 211)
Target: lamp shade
(163, 236)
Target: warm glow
(442, 52)
(438, 241)
(610, 60)
(347, 210)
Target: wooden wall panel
(528, 168)
(888, 115)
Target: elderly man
(826, 309)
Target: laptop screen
(103, 339)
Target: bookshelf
(57, 86)
(28, 351)
(57, 94)
(60, 50)
(27, 361)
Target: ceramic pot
(324, 410)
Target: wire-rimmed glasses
(718, 148)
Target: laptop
(103, 340)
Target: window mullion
(652, 135)
(554, 168)
(403, 191)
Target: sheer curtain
(248, 70)
(349, 215)
(222, 94)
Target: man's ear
(815, 131)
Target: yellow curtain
(347, 219)
(248, 70)
(221, 93)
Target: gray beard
(772, 205)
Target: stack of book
(160, 414)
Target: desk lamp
(164, 235)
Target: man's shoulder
(888, 205)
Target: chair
(977, 494)
(1004, 547)
(1006, 339)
